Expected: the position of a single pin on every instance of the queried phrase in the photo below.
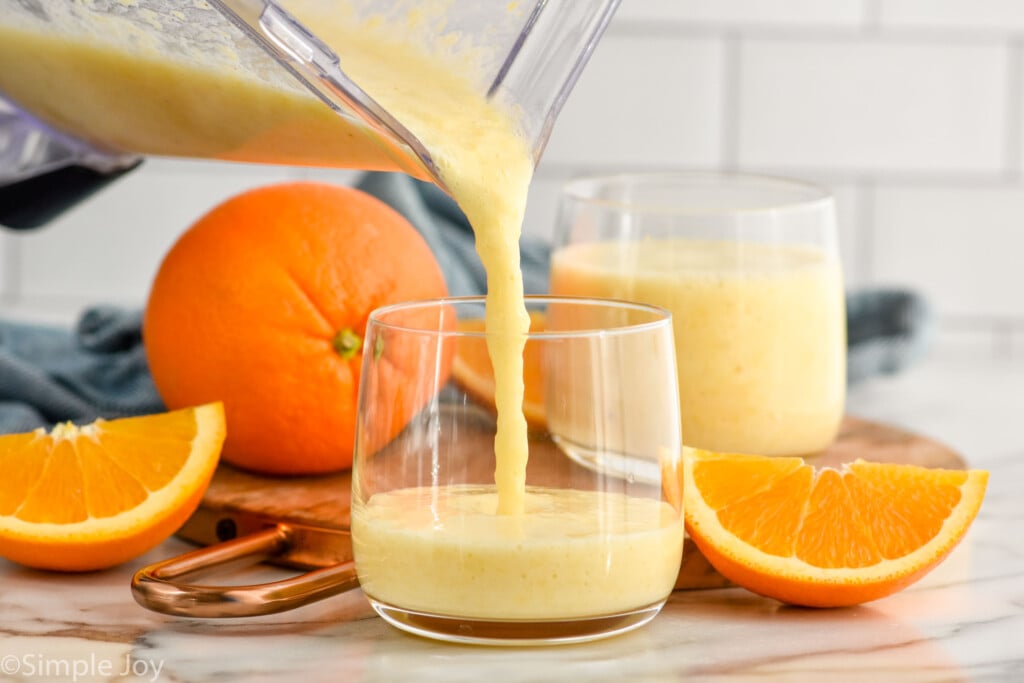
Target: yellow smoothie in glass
(759, 333)
(572, 554)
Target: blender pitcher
(245, 80)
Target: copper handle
(155, 588)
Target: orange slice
(472, 370)
(825, 537)
(83, 498)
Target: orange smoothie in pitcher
(759, 333)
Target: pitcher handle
(154, 586)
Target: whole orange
(262, 304)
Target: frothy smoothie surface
(572, 554)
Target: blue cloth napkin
(98, 368)
(50, 374)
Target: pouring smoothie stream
(487, 166)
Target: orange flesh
(825, 537)
(86, 498)
(867, 513)
(67, 479)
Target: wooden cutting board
(317, 508)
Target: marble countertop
(963, 622)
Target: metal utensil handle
(155, 588)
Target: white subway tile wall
(963, 247)
(873, 106)
(957, 15)
(650, 101)
(910, 110)
(745, 12)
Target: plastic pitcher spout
(317, 66)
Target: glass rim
(663, 316)
(816, 195)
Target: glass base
(516, 632)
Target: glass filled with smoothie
(749, 268)
(458, 539)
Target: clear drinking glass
(748, 266)
(591, 554)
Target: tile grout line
(989, 330)
(871, 17)
(988, 322)
(851, 175)
(10, 286)
(867, 215)
(1012, 111)
(870, 27)
(1002, 340)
